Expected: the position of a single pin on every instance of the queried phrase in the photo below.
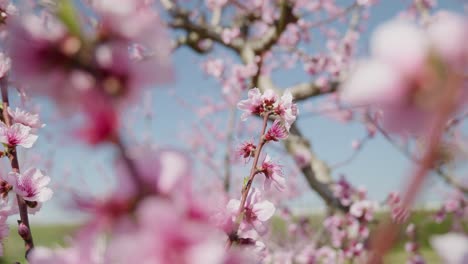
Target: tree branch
(304, 91)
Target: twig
(12, 155)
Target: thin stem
(386, 234)
(246, 189)
(22, 207)
(132, 168)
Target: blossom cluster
(251, 212)
(31, 185)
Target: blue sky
(379, 167)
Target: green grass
(44, 235)
(54, 235)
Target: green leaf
(66, 12)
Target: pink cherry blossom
(17, 135)
(160, 170)
(276, 132)
(451, 247)
(35, 44)
(31, 185)
(256, 212)
(101, 123)
(229, 34)
(273, 175)
(363, 209)
(286, 109)
(165, 235)
(258, 104)
(246, 150)
(25, 118)
(252, 105)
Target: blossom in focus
(451, 247)
(256, 212)
(25, 118)
(17, 135)
(252, 105)
(31, 185)
(246, 150)
(286, 109)
(268, 102)
(276, 132)
(273, 174)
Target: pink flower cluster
(79, 65)
(269, 103)
(164, 223)
(30, 185)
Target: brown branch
(233, 236)
(26, 235)
(304, 91)
(197, 32)
(286, 17)
(317, 173)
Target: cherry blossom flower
(273, 174)
(276, 132)
(246, 150)
(102, 122)
(214, 67)
(47, 57)
(17, 135)
(25, 118)
(259, 104)
(286, 109)
(31, 185)
(256, 212)
(363, 209)
(228, 34)
(252, 105)
(451, 247)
